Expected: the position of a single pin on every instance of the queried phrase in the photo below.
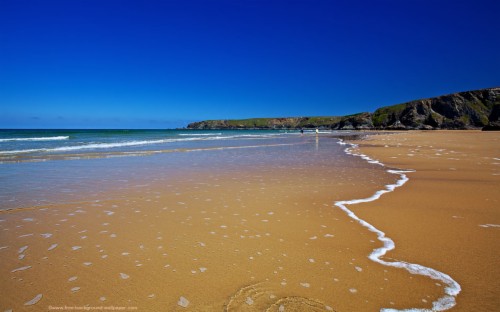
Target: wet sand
(448, 215)
(268, 238)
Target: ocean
(40, 167)
(42, 145)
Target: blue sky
(161, 64)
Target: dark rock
(356, 122)
(492, 126)
(495, 113)
(397, 125)
(494, 119)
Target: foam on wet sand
(453, 288)
(34, 300)
(451, 196)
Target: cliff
(465, 110)
(358, 122)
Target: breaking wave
(54, 138)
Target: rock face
(464, 110)
(494, 119)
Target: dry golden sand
(270, 239)
(447, 216)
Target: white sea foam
(22, 249)
(55, 138)
(34, 300)
(489, 225)
(452, 288)
(199, 134)
(21, 269)
(183, 302)
(93, 146)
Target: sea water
(40, 167)
(41, 145)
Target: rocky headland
(478, 109)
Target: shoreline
(454, 171)
(453, 288)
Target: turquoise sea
(41, 145)
(40, 167)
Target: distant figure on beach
(317, 131)
(301, 131)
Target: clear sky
(161, 64)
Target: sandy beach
(447, 216)
(267, 237)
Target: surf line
(452, 288)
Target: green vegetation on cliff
(267, 123)
(383, 114)
(464, 110)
